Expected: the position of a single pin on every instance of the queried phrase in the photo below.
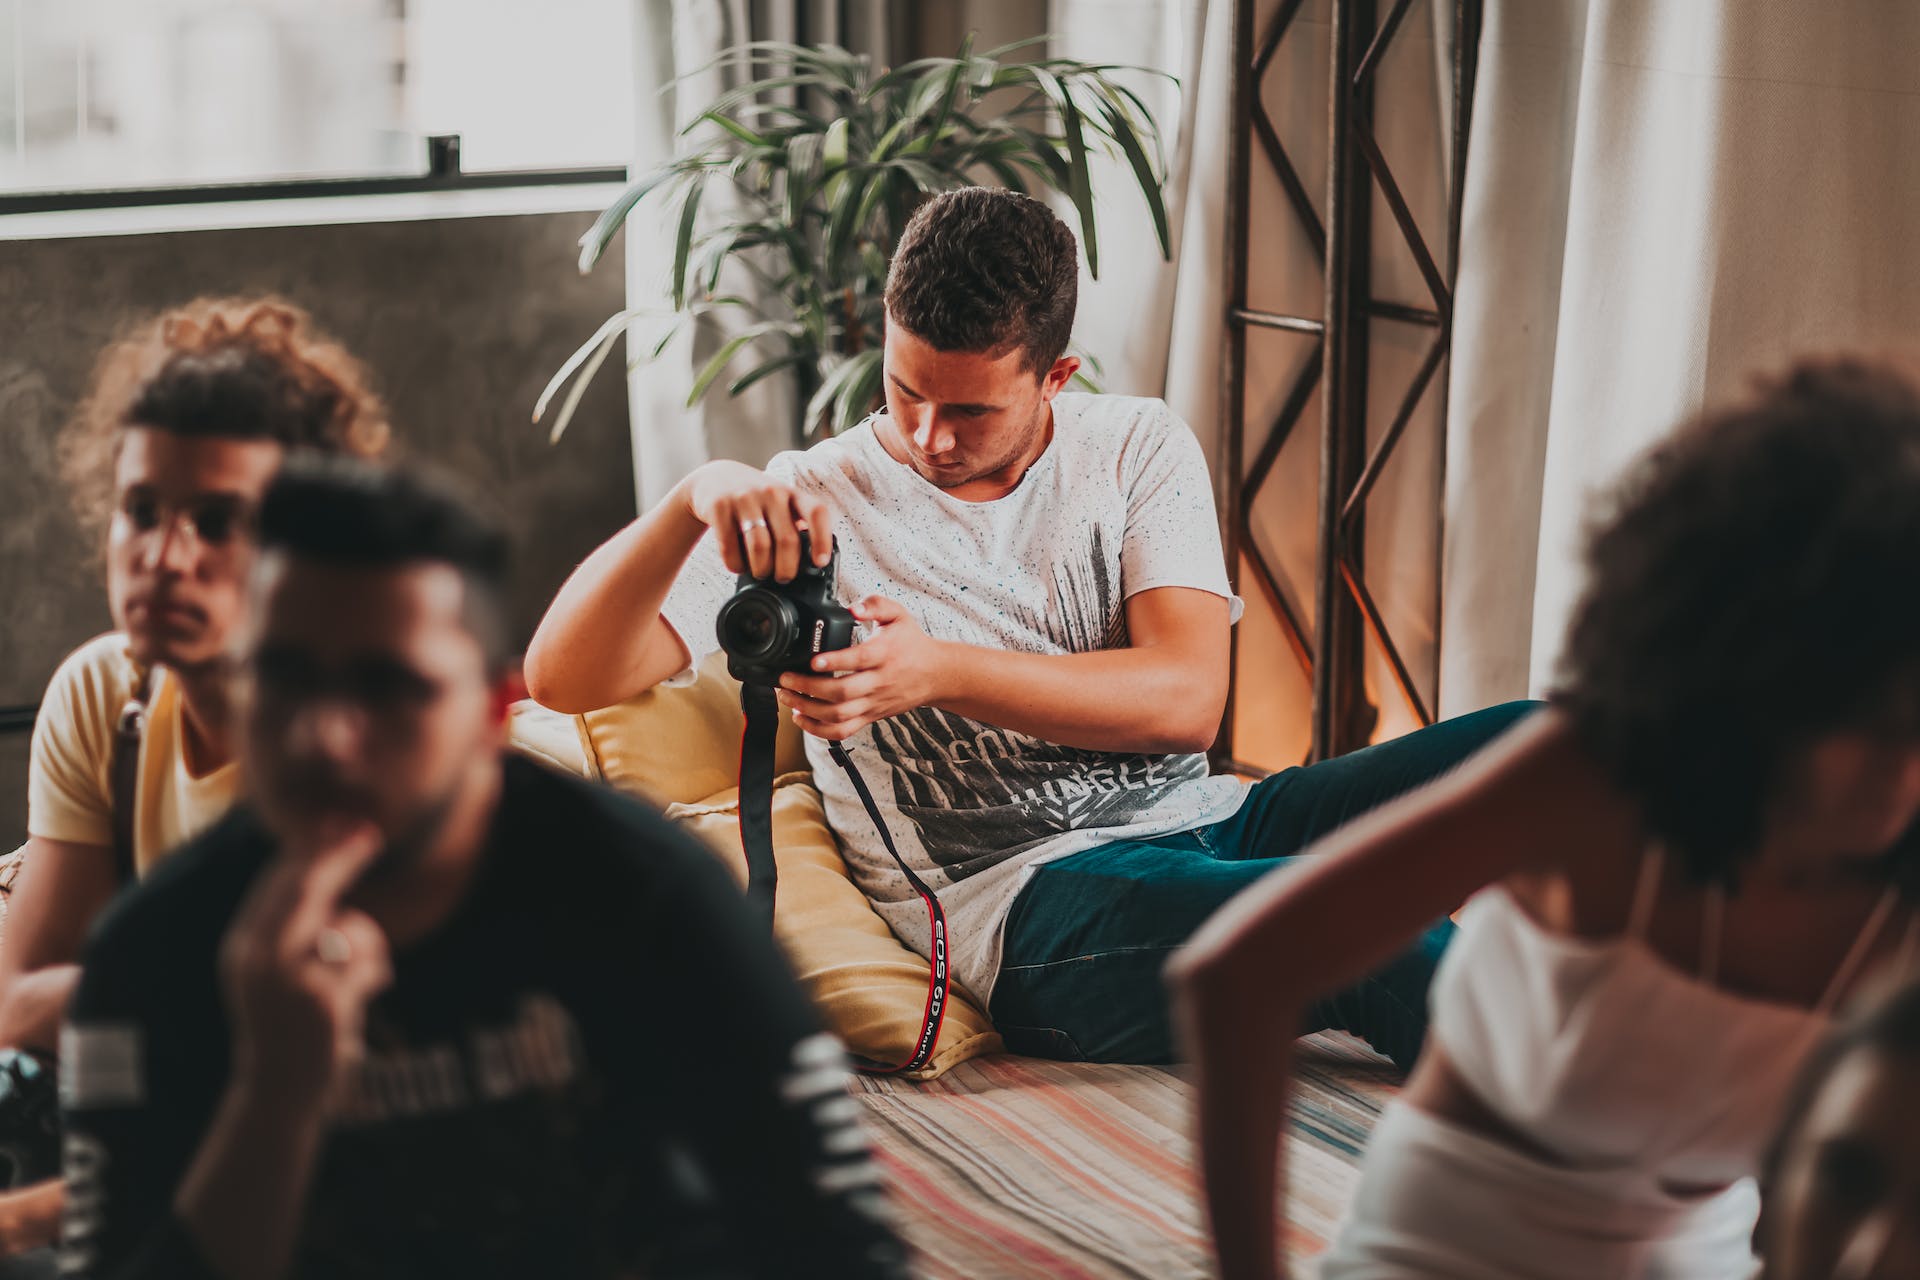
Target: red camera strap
(762, 710)
(938, 978)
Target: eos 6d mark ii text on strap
(769, 628)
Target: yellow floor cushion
(680, 748)
(547, 736)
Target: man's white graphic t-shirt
(1118, 504)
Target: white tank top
(1606, 1056)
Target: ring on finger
(332, 949)
(749, 525)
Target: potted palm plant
(826, 159)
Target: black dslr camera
(772, 627)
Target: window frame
(63, 201)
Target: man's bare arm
(603, 640)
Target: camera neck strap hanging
(756, 794)
(762, 710)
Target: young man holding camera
(421, 1008)
(1048, 613)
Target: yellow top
(69, 786)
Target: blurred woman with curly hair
(187, 418)
(1677, 868)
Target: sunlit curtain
(1663, 197)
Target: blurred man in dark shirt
(421, 1009)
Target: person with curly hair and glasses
(1676, 869)
(188, 416)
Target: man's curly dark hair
(986, 269)
(1753, 584)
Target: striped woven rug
(1019, 1167)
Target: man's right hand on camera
(756, 520)
(588, 651)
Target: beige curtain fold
(1663, 197)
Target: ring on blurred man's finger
(332, 949)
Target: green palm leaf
(683, 243)
(731, 348)
(1080, 185)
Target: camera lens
(756, 625)
(754, 628)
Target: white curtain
(1126, 318)
(1664, 197)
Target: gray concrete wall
(462, 320)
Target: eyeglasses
(214, 521)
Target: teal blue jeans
(1088, 937)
